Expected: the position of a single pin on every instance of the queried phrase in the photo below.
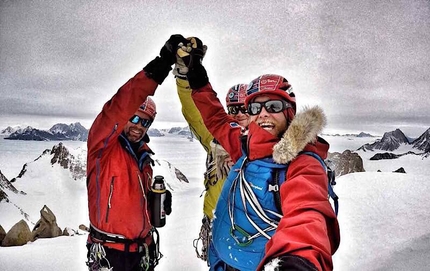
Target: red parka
(309, 226)
(117, 185)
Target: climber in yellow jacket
(218, 162)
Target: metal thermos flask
(158, 214)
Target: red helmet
(271, 84)
(148, 107)
(236, 94)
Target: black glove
(290, 262)
(168, 203)
(190, 55)
(181, 69)
(159, 68)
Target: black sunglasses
(144, 122)
(272, 106)
(234, 109)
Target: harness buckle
(274, 188)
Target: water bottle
(158, 214)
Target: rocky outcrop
(82, 227)
(47, 226)
(2, 234)
(400, 170)
(61, 155)
(6, 184)
(385, 155)
(389, 155)
(423, 142)
(3, 196)
(346, 162)
(18, 235)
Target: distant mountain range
(361, 134)
(60, 131)
(73, 131)
(393, 140)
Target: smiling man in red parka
(250, 232)
(119, 173)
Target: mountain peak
(58, 132)
(423, 142)
(389, 141)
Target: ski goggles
(144, 122)
(234, 109)
(271, 106)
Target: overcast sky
(367, 63)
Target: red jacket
(117, 187)
(309, 227)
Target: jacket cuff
(158, 69)
(289, 262)
(197, 77)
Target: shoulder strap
(330, 179)
(280, 178)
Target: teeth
(136, 132)
(267, 125)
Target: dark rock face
(60, 154)
(389, 155)
(346, 162)
(385, 155)
(423, 142)
(400, 170)
(6, 185)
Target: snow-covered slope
(384, 218)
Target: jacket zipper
(99, 156)
(109, 204)
(144, 199)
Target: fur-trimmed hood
(303, 130)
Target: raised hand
(159, 68)
(169, 50)
(189, 55)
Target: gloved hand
(290, 262)
(159, 68)
(181, 69)
(168, 203)
(189, 62)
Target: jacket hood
(304, 129)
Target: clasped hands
(185, 53)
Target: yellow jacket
(217, 166)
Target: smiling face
(135, 132)
(274, 123)
(241, 117)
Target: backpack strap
(279, 178)
(330, 178)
